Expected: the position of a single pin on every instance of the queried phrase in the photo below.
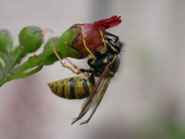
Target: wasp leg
(103, 40)
(89, 62)
(91, 77)
(63, 64)
(86, 70)
(76, 67)
(112, 35)
(71, 63)
(85, 45)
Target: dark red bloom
(109, 22)
(91, 34)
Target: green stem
(10, 62)
(32, 62)
(10, 71)
(18, 72)
(26, 74)
(16, 57)
(4, 77)
(36, 60)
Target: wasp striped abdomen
(72, 88)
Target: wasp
(82, 40)
(104, 67)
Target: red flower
(91, 34)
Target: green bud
(5, 41)
(31, 38)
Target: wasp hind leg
(76, 67)
(63, 64)
(71, 63)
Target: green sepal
(31, 38)
(63, 45)
(48, 57)
(5, 41)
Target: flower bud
(31, 38)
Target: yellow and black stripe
(72, 88)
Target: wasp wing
(90, 100)
(99, 97)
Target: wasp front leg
(112, 35)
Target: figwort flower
(92, 33)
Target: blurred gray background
(144, 100)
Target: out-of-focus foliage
(30, 40)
